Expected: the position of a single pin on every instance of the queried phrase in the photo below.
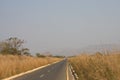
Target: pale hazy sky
(60, 24)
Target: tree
(57, 56)
(25, 51)
(40, 55)
(12, 45)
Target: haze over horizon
(48, 25)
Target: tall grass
(97, 66)
(11, 65)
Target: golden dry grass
(11, 65)
(97, 67)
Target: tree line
(14, 46)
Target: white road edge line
(70, 68)
(75, 75)
(30, 71)
(67, 72)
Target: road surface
(57, 71)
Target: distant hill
(101, 48)
(89, 49)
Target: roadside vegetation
(14, 64)
(97, 67)
(14, 58)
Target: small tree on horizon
(40, 55)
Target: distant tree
(59, 56)
(25, 51)
(27, 54)
(13, 46)
(40, 55)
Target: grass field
(97, 66)
(11, 65)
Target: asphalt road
(55, 71)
